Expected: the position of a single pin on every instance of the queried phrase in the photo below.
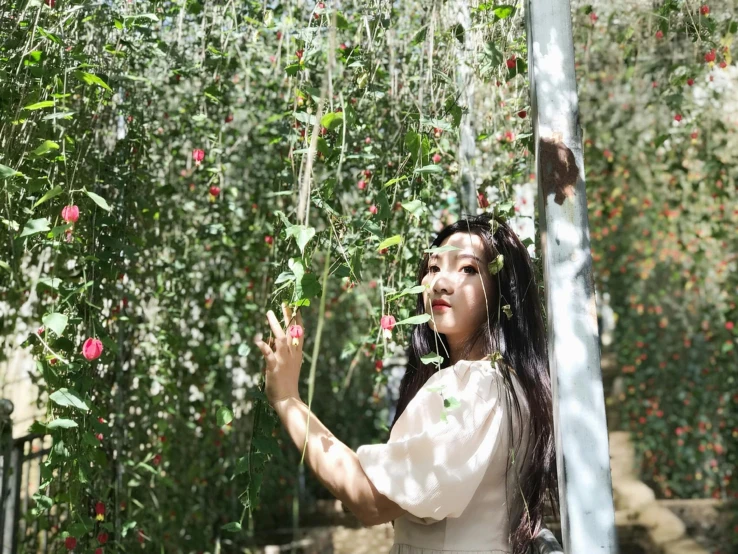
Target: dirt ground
(364, 540)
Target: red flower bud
(92, 348)
(214, 190)
(705, 10)
(659, 34)
(198, 155)
(373, 209)
(70, 214)
(269, 239)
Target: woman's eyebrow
(435, 257)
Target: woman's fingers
(287, 312)
(268, 353)
(274, 324)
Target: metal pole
(583, 454)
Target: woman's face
(461, 280)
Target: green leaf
(58, 115)
(496, 265)
(8, 172)
(393, 181)
(61, 424)
(392, 241)
(415, 320)
(45, 147)
(432, 358)
(56, 191)
(412, 290)
(292, 69)
(224, 416)
(91, 79)
(441, 249)
(34, 226)
(332, 121)
(233, 526)
(504, 11)
(433, 168)
(451, 403)
(56, 322)
(99, 200)
(68, 398)
(39, 105)
(302, 235)
(415, 207)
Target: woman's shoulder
(468, 378)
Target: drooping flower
(710, 56)
(690, 82)
(436, 158)
(387, 323)
(269, 239)
(373, 209)
(92, 348)
(296, 332)
(678, 117)
(705, 9)
(100, 511)
(198, 155)
(379, 364)
(659, 34)
(70, 214)
(511, 62)
(214, 190)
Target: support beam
(583, 456)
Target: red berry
(690, 82)
(678, 117)
(70, 543)
(659, 34)
(522, 114)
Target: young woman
(471, 453)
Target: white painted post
(583, 454)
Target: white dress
(450, 475)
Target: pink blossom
(198, 155)
(296, 332)
(387, 323)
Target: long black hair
(519, 342)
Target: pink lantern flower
(198, 155)
(388, 323)
(70, 214)
(296, 332)
(92, 349)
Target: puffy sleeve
(441, 446)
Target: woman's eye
(473, 271)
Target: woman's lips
(441, 308)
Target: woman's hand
(283, 356)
